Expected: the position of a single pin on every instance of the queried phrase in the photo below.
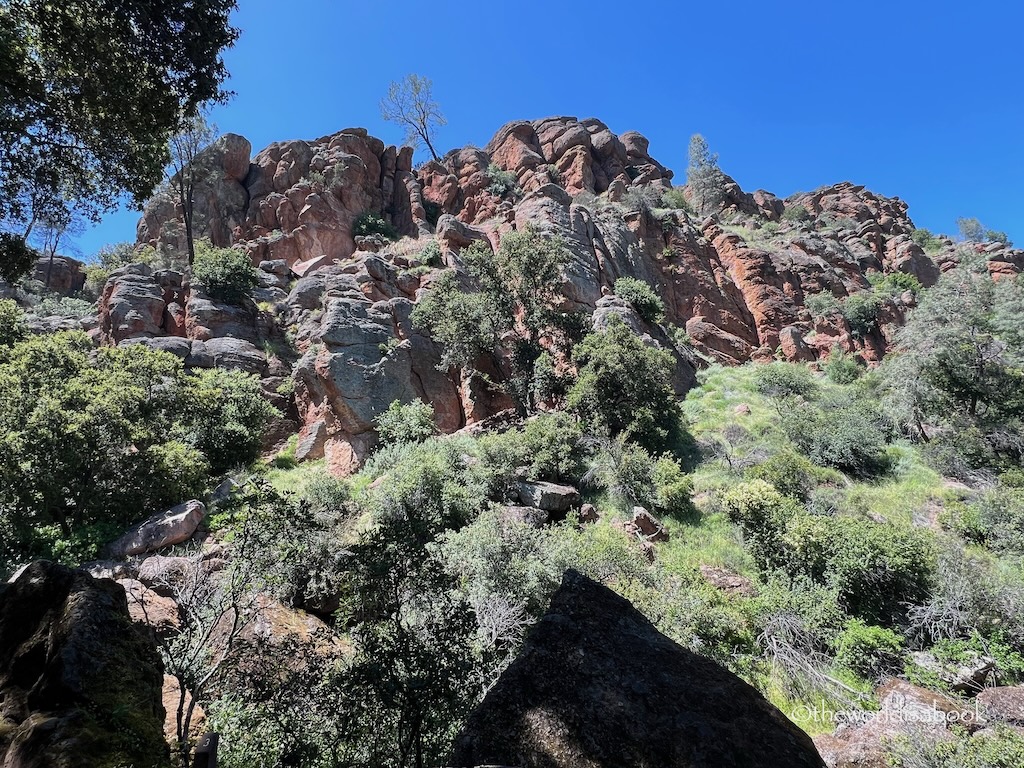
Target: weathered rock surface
(80, 686)
(597, 685)
(738, 286)
(176, 525)
(550, 497)
(1004, 703)
(904, 709)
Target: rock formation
(737, 282)
(597, 685)
(80, 686)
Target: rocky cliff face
(597, 685)
(737, 282)
(79, 685)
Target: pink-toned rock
(1004, 703)
(147, 607)
(648, 525)
(172, 700)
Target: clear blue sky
(921, 100)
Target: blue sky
(921, 100)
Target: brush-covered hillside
(371, 452)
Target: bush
(894, 283)
(842, 368)
(996, 520)
(870, 651)
(926, 240)
(673, 489)
(554, 447)
(92, 437)
(1002, 748)
(624, 386)
(878, 569)
(227, 273)
(762, 512)
(370, 223)
(431, 255)
(642, 297)
(65, 306)
(502, 183)
(676, 198)
(411, 423)
(861, 312)
(796, 212)
(784, 380)
(822, 304)
(788, 472)
(12, 323)
(842, 432)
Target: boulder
(548, 496)
(151, 609)
(648, 526)
(80, 686)
(1004, 703)
(174, 526)
(968, 676)
(905, 709)
(597, 685)
(531, 516)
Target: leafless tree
(194, 136)
(411, 104)
(214, 608)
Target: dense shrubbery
(406, 423)
(502, 183)
(841, 431)
(102, 437)
(784, 380)
(642, 297)
(227, 274)
(624, 386)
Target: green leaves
(110, 435)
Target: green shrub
(502, 183)
(788, 472)
(370, 223)
(624, 386)
(995, 519)
(868, 650)
(878, 569)
(784, 380)
(1003, 748)
(861, 312)
(676, 198)
(926, 240)
(12, 323)
(842, 368)
(762, 512)
(406, 423)
(822, 304)
(642, 297)
(227, 274)
(553, 444)
(431, 255)
(843, 432)
(673, 489)
(65, 306)
(796, 212)
(326, 494)
(894, 283)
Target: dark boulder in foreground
(80, 686)
(597, 686)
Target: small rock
(588, 514)
(531, 516)
(1004, 703)
(742, 410)
(648, 525)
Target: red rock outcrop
(738, 282)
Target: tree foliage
(704, 179)
(227, 273)
(101, 437)
(960, 370)
(90, 94)
(624, 386)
